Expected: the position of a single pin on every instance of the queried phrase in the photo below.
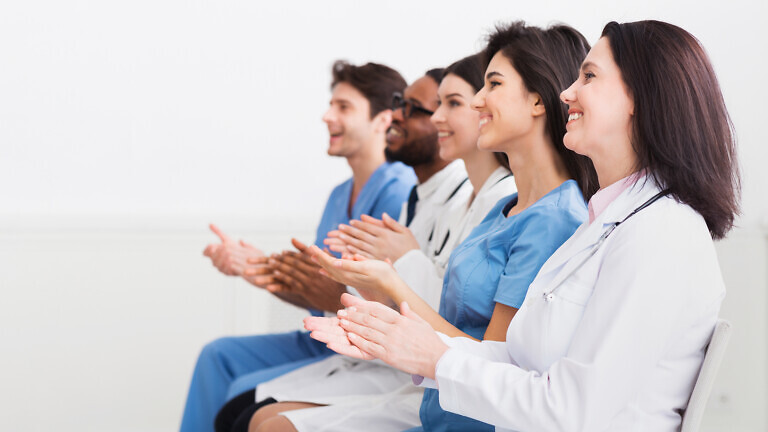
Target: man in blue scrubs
(358, 118)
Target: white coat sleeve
(494, 351)
(421, 275)
(656, 289)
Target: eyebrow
(492, 74)
(454, 94)
(589, 64)
(340, 101)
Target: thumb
(301, 247)
(391, 223)
(246, 245)
(223, 237)
(407, 312)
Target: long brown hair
(681, 130)
(548, 61)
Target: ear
(537, 107)
(382, 121)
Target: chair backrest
(703, 387)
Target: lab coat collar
(588, 234)
(447, 177)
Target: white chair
(703, 387)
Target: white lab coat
(617, 346)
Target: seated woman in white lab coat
(613, 330)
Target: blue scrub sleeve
(543, 231)
(391, 202)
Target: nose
(397, 114)
(569, 95)
(329, 116)
(438, 116)
(478, 101)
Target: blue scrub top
(384, 192)
(496, 264)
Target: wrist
(434, 361)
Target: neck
(610, 172)
(364, 162)
(538, 170)
(480, 165)
(425, 171)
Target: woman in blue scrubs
(489, 273)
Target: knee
(263, 414)
(276, 423)
(214, 349)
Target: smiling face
(349, 121)
(413, 140)
(600, 111)
(505, 107)
(456, 121)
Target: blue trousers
(229, 366)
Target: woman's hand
(328, 331)
(361, 273)
(373, 238)
(404, 341)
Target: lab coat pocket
(564, 312)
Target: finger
(275, 288)
(223, 237)
(359, 234)
(392, 224)
(407, 312)
(340, 248)
(361, 257)
(332, 234)
(263, 281)
(301, 247)
(356, 244)
(371, 229)
(210, 250)
(373, 350)
(359, 311)
(330, 337)
(372, 220)
(374, 330)
(302, 263)
(257, 260)
(326, 324)
(246, 245)
(257, 271)
(289, 275)
(350, 351)
(330, 241)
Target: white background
(125, 127)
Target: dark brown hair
(471, 70)
(681, 130)
(548, 61)
(375, 81)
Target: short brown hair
(375, 81)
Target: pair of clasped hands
(312, 278)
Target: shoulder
(397, 172)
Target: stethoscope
(550, 295)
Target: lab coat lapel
(563, 260)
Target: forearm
(400, 292)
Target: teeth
(484, 120)
(394, 132)
(575, 116)
(444, 134)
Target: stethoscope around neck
(550, 295)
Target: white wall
(125, 127)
